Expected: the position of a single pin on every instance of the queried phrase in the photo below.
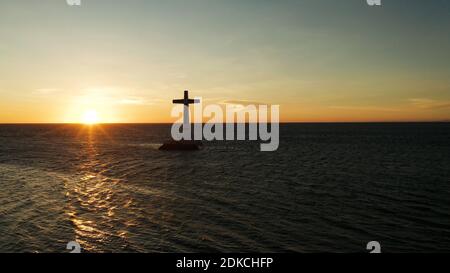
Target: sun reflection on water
(94, 198)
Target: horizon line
(169, 123)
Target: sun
(90, 117)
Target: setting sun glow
(90, 117)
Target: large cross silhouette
(186, 101)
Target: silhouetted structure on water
(183, 145)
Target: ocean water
(328, 188)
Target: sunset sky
(320, 60)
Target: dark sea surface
(328, 188)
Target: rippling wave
(328, 188)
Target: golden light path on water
(94, 200)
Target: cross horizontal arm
(178, 101)
(190, 101)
